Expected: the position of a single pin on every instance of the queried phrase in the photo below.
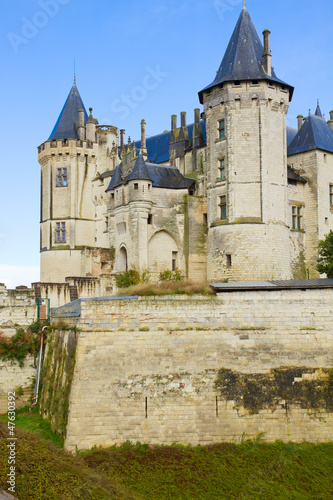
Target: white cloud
(13, 276)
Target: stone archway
(162, 252)
(122, 260)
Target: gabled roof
(140, 170)
(158, 145)
(162, 176)
(243, 59)
(66, 125)
(315, 133)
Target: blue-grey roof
(116, 178)
(291, 133)
(66, 125)
(158, 145)
(315, 133)
(318, 110)
(243, 59)
(140, 170)
(162, 176)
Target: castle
(235, 195)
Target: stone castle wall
(17, 307)
(165, 370)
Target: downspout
(35, 398)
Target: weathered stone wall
(57, 375)
(154, 369)
(17, 307)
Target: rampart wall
(201, 370)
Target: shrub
(19, 346)
(132, 277)
(169, 275)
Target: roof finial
(244, 6)
(74, 72)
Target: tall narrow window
(174, 261)
(61, 177)
(296, 218)
(221, 129)
(60, 234)
(106, 223)
(331, 195)
(221, 170)
(223, 207)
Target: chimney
(173, 122)
(122, 141)
(299, 121)
(143, 140)
(197, 136)
(183, 118)
(81, 128)
(267, 57)
(91, 127)
(330, 121)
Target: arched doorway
(122, 260)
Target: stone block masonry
(201, 370)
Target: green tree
(325, 259)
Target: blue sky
(133, 60)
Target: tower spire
(74, 73)
(244, 6)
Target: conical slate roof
(140, 170)
(315, 133)
(318, 110)
(243, 59)
(66, 126)
(116, 179)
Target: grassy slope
(225, 471)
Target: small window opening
(174, 261)
(150, 218)
(237, 83)
(222, 170)
(223, 207)
(229, 260)
(136, 186)
(205, 220)
(221, 129)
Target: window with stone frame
(60, 232)
(331, 196)
(221, 168)
(221, 129)
(223, 207)
(296, 216)
(61, 177)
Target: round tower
(245, 108)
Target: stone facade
(252, 212)
(148, 369)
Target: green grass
(250, 470)
(29, 419)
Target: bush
(169, 275)
(132, 277)
(19, 346)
